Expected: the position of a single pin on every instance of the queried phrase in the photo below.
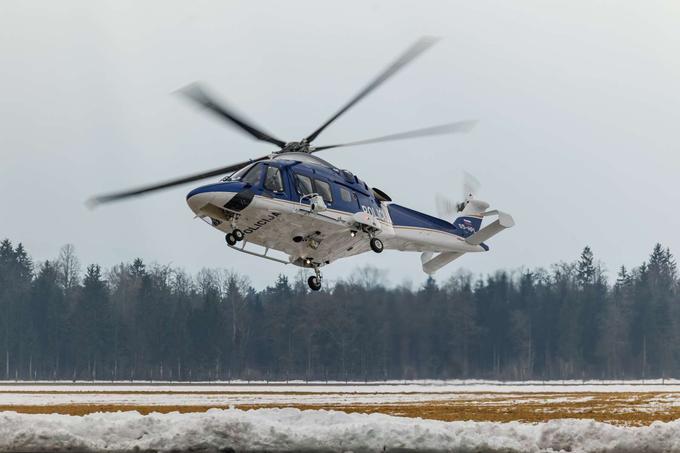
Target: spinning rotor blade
(447, 208)
(470, 186)
(411, 53)
(451, 128)
(167, 184)
(199, 96)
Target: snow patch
(293, 429)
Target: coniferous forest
(59, 320)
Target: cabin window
(323, 189)
(303, 184)
(346, 195)
(273, 180)
(253, 176)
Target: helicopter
(292, 207)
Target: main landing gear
(234, 237)
(314, 281)
(377, 245)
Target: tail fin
(468, 225)
(471, 219)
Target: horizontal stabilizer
(502, 222)
(432, 263)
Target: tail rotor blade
(470, 186)
(446, 208)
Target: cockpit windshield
(237, 175)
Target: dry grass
(614, 408)
(617, 408)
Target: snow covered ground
(281, 396)
(292, 429)
(517, 416)
(224, 395)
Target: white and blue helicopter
(290, 206)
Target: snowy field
(435, 415)
(295, 430)
(653, 396)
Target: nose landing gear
(234, 237)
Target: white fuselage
(326, 236)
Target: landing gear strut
(314, 281)
(376, 245)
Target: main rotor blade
(167, 184)
(198, 95)
(411, 53)
(450, 128)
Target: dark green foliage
(139, 321)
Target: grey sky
(578, 105)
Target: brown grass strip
(614, 407)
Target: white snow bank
(292, 429)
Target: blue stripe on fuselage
(403, 216)
(227, 186)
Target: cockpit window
(273, 180)
(253, 176)
(236, 176)
(303, 185)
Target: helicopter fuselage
(273, 202)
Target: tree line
(155, 322)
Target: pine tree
(585, 269)
(614, 343)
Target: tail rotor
(447, 208)
(471, 187)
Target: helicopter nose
(217, 194)
(199, 197)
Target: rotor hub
(296, 147)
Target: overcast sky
(578, 103)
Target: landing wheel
(377, 245)
(314, 283)
(231, 240)
(238, 235)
